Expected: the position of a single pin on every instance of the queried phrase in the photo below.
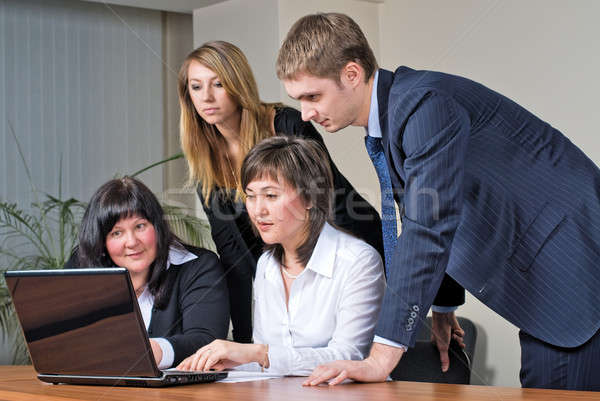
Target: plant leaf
(190, 229)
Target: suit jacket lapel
(386, 78)
(383, 90)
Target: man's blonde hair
(321, 45)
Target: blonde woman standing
(222, 118)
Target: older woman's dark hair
(123, 198)
(303, 164)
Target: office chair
(422, 363)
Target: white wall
(250, 25)
(544, 54)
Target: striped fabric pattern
(493, 196)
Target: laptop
(84, 326)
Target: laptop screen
(82, 322)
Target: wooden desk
(20, 383)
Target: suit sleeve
(238, 262)
(204, 305)
(351, 211)
(434, 141)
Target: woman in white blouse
(317, 290)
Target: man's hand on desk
(445, 327)
(376, 368)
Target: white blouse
(333, 305)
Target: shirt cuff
(168, 354)
(391, 343)
(280, 360)
(249, 367)
(443, 309)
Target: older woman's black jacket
(238, 245)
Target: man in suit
(491, 195)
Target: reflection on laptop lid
(83, 326)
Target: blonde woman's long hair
(205, 149)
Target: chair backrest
(422, 363)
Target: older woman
(317, 289)
(222, 118)
(181, 290)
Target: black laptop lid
(82, 322)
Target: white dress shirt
(146, 303)
(333, 305)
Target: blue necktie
(388, 211)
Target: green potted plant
(42, 238)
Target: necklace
(288, 275)
(233, 175)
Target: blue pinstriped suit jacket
(495, 197)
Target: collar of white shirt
(146, 299)
(179, 256)
(323, 256)
(176, 257)
(374, 129)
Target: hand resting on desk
(384, 358)
(221, 354)
(376, 368)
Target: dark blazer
(240, 247)
(197, 311)
(493, 196)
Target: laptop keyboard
(180, 376)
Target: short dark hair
(115, 200)
(304, 165)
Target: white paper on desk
(239, 376)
